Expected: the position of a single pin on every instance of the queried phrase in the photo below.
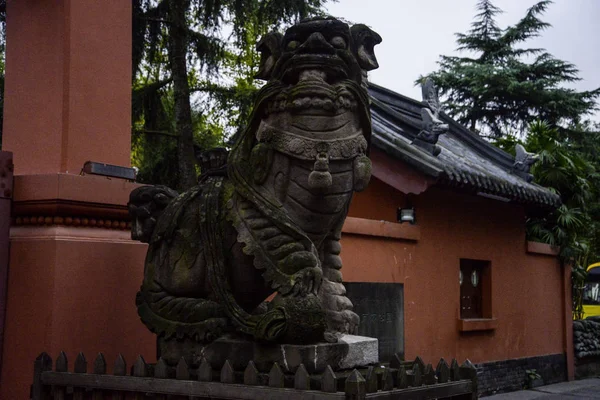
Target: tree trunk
(177, 47)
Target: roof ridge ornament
(432, 127)
(523, 162)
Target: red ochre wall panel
(526, 288)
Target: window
(591, 294)
(475, 290)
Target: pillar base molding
(75, 201)
(38, 233)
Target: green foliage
(503, 87)
(530, 376)
(154, 142)
(220, 36)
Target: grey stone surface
(380, 307)
(349, 352)
(586, 337)
(586, 344)
(266, 218)
(361, 351)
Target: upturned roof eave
(393, 132)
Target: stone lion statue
(265, 218)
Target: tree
(179, 51)
(503, 88)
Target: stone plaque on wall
(380, 307)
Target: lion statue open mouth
(266, 217)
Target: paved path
(583, 389)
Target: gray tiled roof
(466, 161)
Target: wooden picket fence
(397, 380)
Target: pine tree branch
(152, 87)
(161, 133)
(161, 20)
(214, 88)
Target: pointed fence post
(454, 370)
(371, 380)
(119, 369)
(62, 365)
(443, 371)
(182, 372)
(99, 369)
(227, 374)
(140, 370)
(387, 380)
(417, 377)
(419, 361)
(205, 373)
(355, 386)
(301, 378)
(79, 368)
(402, 378)
(429, 375)
(42, 364)
(251, 374)
(468, 371)
(161, 371)
(329, 380)
(99, 365)
(276, 377)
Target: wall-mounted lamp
(406, 215)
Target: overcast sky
(416, 32)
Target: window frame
(483, 319)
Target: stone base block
(349, 352)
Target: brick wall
(509, 375)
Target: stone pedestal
(350, 352)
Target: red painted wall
(526, 288)
(68, 84)
(73, 294)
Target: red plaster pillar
(68, 84)
(73, 271)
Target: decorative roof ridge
(397, 123)
(474, 141)
(395, 115)
(404, 151)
